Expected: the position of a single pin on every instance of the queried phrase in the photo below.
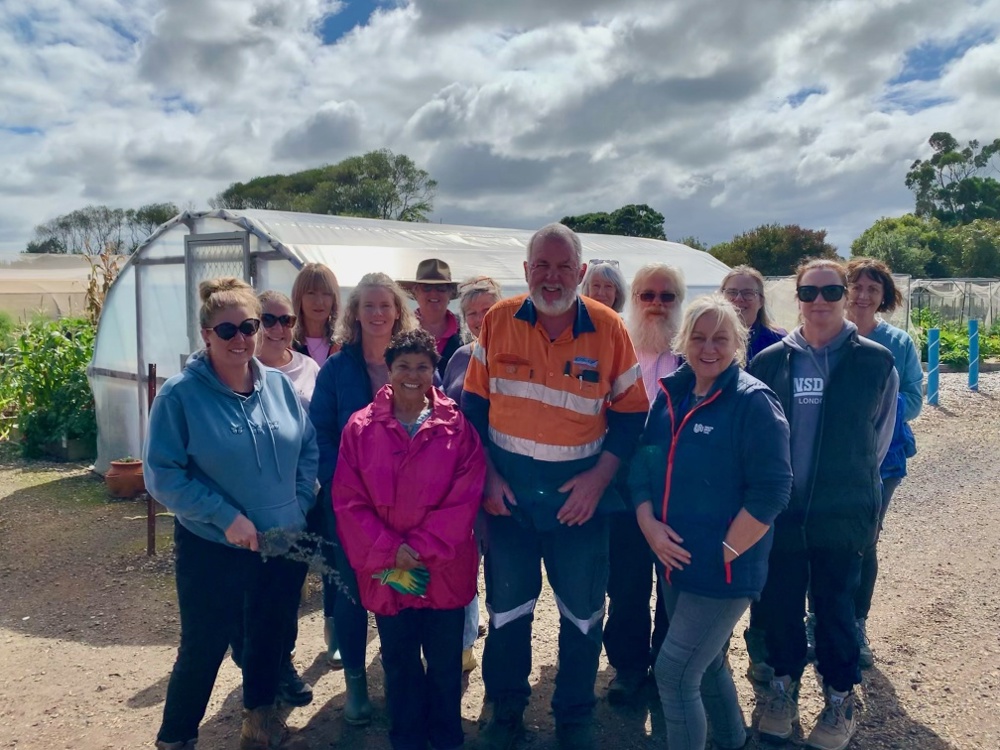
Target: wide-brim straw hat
(431, 271)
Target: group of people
(747, 467)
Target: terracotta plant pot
(124, 479)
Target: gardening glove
(412, 582)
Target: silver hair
(560, 232)
(673, 273)
(610, 273)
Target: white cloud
(524, 111)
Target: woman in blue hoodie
(232, 453)
(711, 475)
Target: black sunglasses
(226, 331)
(664, 296)
(830, 292)
(269, 320)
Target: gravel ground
(88, 625)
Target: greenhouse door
(209, 256)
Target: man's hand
(242, 533)
(495, 491)
(585, 491)
(407, 558)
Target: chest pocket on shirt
(512, 367)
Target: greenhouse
(151, 312)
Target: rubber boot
(264, 729)
(357, 708)
(332, 644)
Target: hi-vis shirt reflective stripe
(548, 399)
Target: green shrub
(45, 373)
(954, 339)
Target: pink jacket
(389, 489)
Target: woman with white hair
(604, 283)
(708, 517)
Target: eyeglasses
(746, 294)
(428, 288)
(665, 297)
(269, 320)
(602, 261)
(226, 331)
(830, 292)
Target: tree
(692, 241)
(907, 244)
(773, 249)
(95, 229)
(975, 248)
(379, 185)
(951, 185)
(633, 220)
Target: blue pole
(933, 364)
(973, 355)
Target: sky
(722, 116)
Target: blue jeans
(341, 599)
(692, 672)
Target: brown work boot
(264, 729)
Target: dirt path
(88, 625)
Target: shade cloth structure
(151, 312)
(50, 285)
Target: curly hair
(417, 341)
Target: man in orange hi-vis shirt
(556, 392)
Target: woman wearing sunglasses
(275, 350)
(744, 287)
(232, 453)
(838, 391)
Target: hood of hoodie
(821, 355)
(213, 448)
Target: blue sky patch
(177, 103)
(20, 129)
(927, 61)
(353, 13)
(796, 99)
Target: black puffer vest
(841, 506)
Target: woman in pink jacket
(408, 483)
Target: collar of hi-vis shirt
(582, 322)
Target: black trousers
(632, 637)
(218, 587)
(869, 563)
(424, 706)
(832, 577)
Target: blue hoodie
(212, 454)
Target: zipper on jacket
(674, 435)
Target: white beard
(652, 333)
(561, 305)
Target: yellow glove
(405, 581)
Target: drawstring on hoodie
(267, 428)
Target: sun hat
(431, 271)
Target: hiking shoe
(578, 735)
(292, 689)
(504, 729)
(626, 686)
(759, 670)
(782, 710)
(264, 729)
(332, 644)
(468, 660)
(811, 636)
(866, 659)
(837, 723)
